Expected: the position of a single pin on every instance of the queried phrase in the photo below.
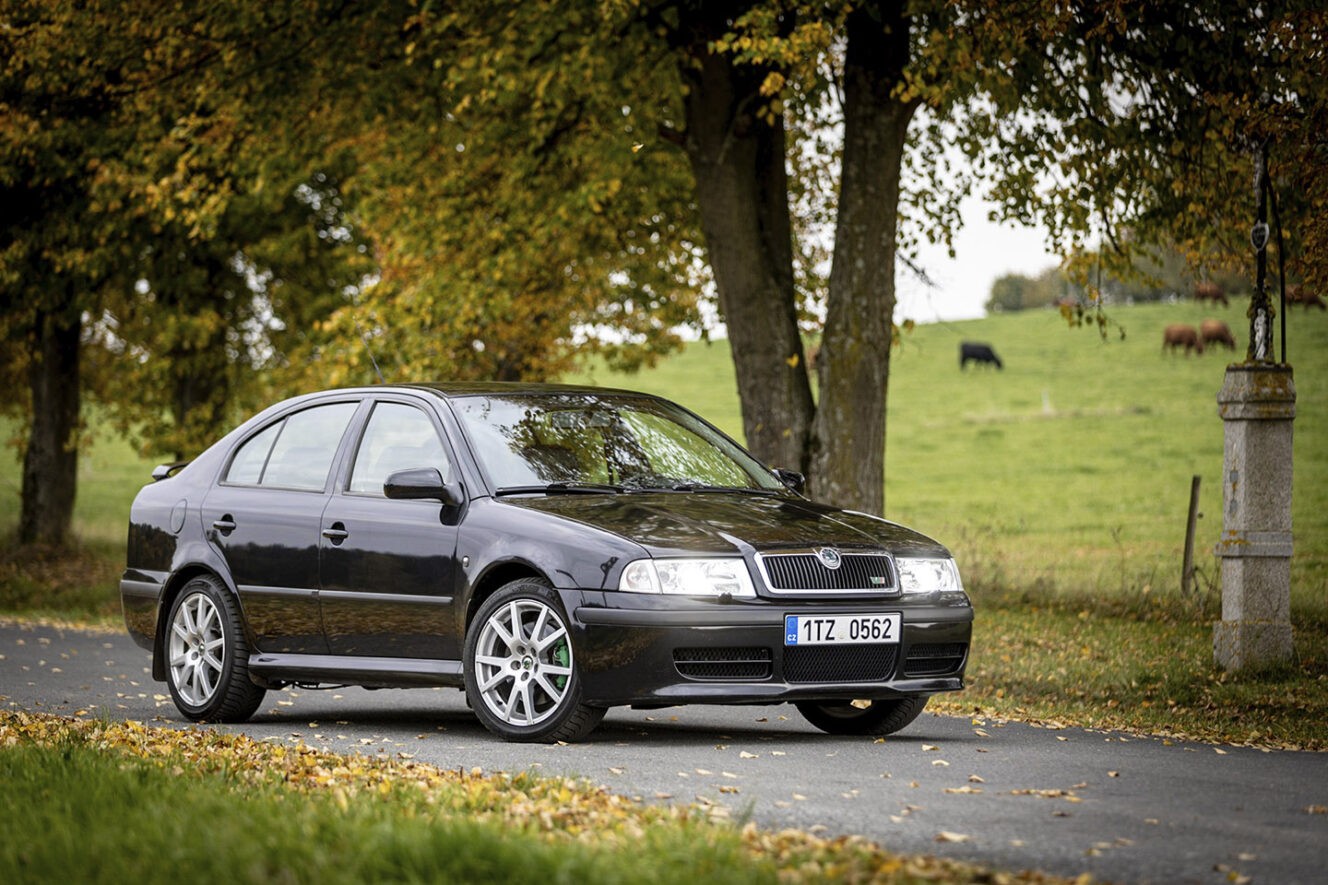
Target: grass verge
(1095, 667)
(114, 802)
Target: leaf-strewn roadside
(142, 803)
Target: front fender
(570, 554)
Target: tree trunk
(742, 192)
(847, 457)
(50, 465)
(199, 370)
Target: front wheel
(521, 672)
(207, 657)
(862, 717)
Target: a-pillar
(1257, 403)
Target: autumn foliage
(208, 205)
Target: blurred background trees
(1158, 274)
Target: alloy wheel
(196, 651)
(523, 663)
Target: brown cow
(1300, 295)
(1210, 291)
(1213, 331)
(1178, 334)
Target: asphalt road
(1067, 801)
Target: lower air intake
(723, 664)
(839, 663)
(934, 659)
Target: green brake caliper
(562, 656)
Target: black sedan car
(551, 550)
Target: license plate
(841, 629)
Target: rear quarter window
(250, 459)
(294, 453)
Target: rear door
(388, 569)
(263, 515)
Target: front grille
(933, 659)
(839, 663)
(804, 571)
(723, 663)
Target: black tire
(204, 620)
(862, 717)
(524, 684)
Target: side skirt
(272, 669)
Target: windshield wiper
(570, 488)
(703, 487)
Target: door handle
(336, 533)
(225, 525)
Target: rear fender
(192, 560)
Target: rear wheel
(862, 717)
(207, 656)
(521, 672)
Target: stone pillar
(1257, 403)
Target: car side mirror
(422, 483)
(792, 478)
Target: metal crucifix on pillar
(1261, 326)
(1257, 404)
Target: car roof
(449, 389)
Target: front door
(387, 566)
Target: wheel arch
(169, 593)
(494, 578)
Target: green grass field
(1061, 484)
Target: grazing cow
(813, 354)
(1179, 334)
(1210, 291)
(1213, 331)
(1300, 295)
(978, 353)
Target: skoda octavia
(551, 550)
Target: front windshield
(636, 442)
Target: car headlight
(688, 577)
(928, 576)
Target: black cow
(978, 353)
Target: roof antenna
(365, 340)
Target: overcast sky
(983, 251)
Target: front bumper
(653, 650)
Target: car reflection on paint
(551, 550)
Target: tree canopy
(205, 205)
(133, 155)
(1136, 123)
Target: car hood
(674, 523)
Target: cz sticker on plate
(841, 629)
